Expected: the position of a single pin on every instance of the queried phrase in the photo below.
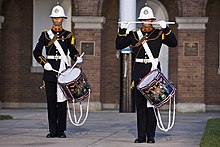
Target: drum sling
(63, 90)
(157, 89)
(76, 89)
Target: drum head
(69, 75)
(147, 79)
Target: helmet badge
(56, 10)
(145, 12)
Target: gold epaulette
(72, 41)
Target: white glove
(79, 60)
(124, 25)
(48, 67)
(162, 24)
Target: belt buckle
(56, 57)
(145, 61)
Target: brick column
(87, 31)
(191, 60)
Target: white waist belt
(53, 57)
(145, 61)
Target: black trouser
(146, 120)
(57, 111)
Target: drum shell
(77, 89)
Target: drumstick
(134, 22)
(76, 62)
(72, 66)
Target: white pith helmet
(146, 13)
(58, 11)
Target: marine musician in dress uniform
(146, 120)
(56, 106)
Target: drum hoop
(159, 73)
(80, 75)
(72, 69)
(66, 70)
(148, 75)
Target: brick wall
(91, 65)
(88, 7)
(17, 83)
(190, 68)
(189, 8)
(110, 65)
(198, 76)
(212, 77)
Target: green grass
(5, 117)
(211, 136)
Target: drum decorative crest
(156, 88)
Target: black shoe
(51, 135)
(139, 140)
(150, 140)
(61, 135)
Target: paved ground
(102, 129)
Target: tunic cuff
(167, 31)
(122, 32)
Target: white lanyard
(60, 95)
(59, 48)
(153, 60)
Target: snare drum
(74, 84)
(156, 88)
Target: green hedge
(4, 117)
(211, 136)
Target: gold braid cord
(147, 39)
(52, 40)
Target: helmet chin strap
(57, 24)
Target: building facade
(193, 66)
